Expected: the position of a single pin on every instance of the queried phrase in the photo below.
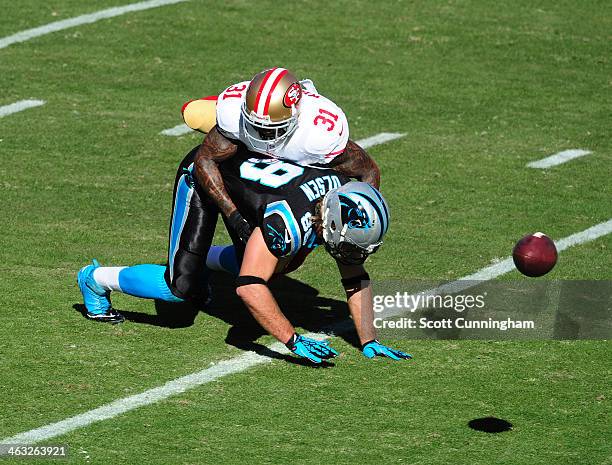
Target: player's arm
(215, 149)
(259, 262)
(358, 288)
(258, 266)
(355, 162)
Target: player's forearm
(362, 311)
(372, 177)
(355, 162)
(214, 149)
(262, 305)
(209, 177)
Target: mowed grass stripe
(250, 359)
(83, 19)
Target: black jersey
(280, 197)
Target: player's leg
(145, 281)
(95, 297)
(194, 218)
(223, 258)
(201, 114)
(185, 277)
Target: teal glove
(313, 350)
(373, 348)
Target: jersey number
(275, 174)
(323, 119)
(234, 91)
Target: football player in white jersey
(276, 115)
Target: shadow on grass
(300, 303)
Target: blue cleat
(96, 299)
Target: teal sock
(147, 282)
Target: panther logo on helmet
(293, 95)
(352, 213)
(355, 218)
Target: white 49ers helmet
(270, 109)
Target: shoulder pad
(308, 86)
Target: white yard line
(19, 106)
(379, 139)
(83, 19)
(177, 130)
(176, 386)
(558, 158)
(250, 359)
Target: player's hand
(240, 226)
(373, 348)
(313, 350)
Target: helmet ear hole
(333, 225)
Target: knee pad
(190, 287)
(189, 277)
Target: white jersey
(322, 129)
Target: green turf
(480, 89)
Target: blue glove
(313, 350)
(373, 348)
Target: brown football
(535, 254)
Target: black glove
(240, 226)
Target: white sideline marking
(249, 359)
(379, 139)
(83, 19)
(177, 130)
(19, 106)
(558, 158)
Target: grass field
(480, 88)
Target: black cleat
(111, 316)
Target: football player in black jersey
(291, 209)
